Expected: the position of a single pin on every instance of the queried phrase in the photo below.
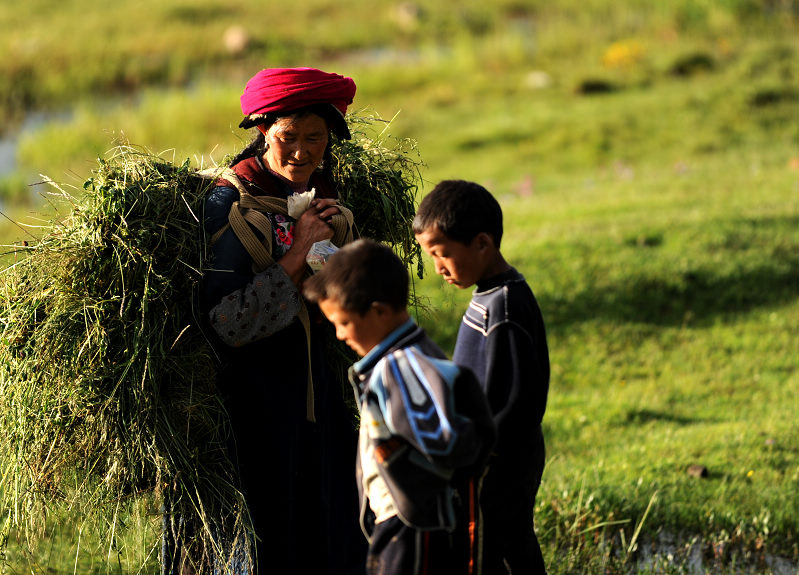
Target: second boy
(503, 340)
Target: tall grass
(107, 382)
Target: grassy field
(647, 160)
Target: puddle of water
(32, 122)
(689, 557)
(8, 155)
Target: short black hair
(460, 210)
(360, 274)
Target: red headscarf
(285, 89)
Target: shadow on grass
(696, 296)
(644, 416)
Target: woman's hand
(314, 225)
(326, 208)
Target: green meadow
(646, 156)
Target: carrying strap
(251, 212)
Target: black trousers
(397, 549)
(507, 501)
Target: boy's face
(460, 264)
(360, 332)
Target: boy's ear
(483, 241)
(380, 308)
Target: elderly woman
(293, 439)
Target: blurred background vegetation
(646, 155)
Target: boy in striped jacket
(502, 339)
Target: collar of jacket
(400, 337)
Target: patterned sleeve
(263, 307)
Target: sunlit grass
(657, 222)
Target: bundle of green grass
(106, 378)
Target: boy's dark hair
(460, 210)
(358, 275)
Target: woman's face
(296, 146)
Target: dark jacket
(503, 340)
(285, 465)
